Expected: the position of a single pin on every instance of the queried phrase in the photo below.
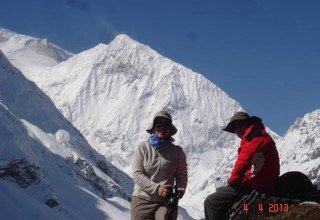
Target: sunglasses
(158, 125)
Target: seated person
(257, 166)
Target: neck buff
(158, 144)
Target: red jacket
(253, 141)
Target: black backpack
(296, 185)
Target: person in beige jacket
(157, 164)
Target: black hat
(240, 116)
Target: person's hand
(164, 190)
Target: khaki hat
(166, 115)
(240, 116)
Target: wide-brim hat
(166, 115)
(238, 117)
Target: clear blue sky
(263, 53)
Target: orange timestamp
(271, 207)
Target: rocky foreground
(273, 208)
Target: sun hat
(163, 114)
(240, 117)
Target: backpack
(296, 185)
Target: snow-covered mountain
(30, 54)
(47, 168)
(300, 147)
(111, 92)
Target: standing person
(257, 166)
(157, 163)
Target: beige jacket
(152, 168)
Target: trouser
(146, 210)
(216, 205)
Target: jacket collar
(257, 126)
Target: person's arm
(243, 163)
(139, 173)
(182, 172)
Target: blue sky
(263, 53)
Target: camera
(173, 198)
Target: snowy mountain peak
(30, 54)
(127, 42)
(37, 45)
(123, 38)
(123, 45)
(310, 122)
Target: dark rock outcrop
(21, 172)
(109, 188)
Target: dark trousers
(216, 205)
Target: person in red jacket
(257, 166)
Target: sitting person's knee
(209, 201)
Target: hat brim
(231, 126)
(173, 129)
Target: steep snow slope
(45, 162)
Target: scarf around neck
(158, 144)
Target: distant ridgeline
(296, 198)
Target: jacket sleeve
(243, 162)
(182, 172)
(139, 175)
